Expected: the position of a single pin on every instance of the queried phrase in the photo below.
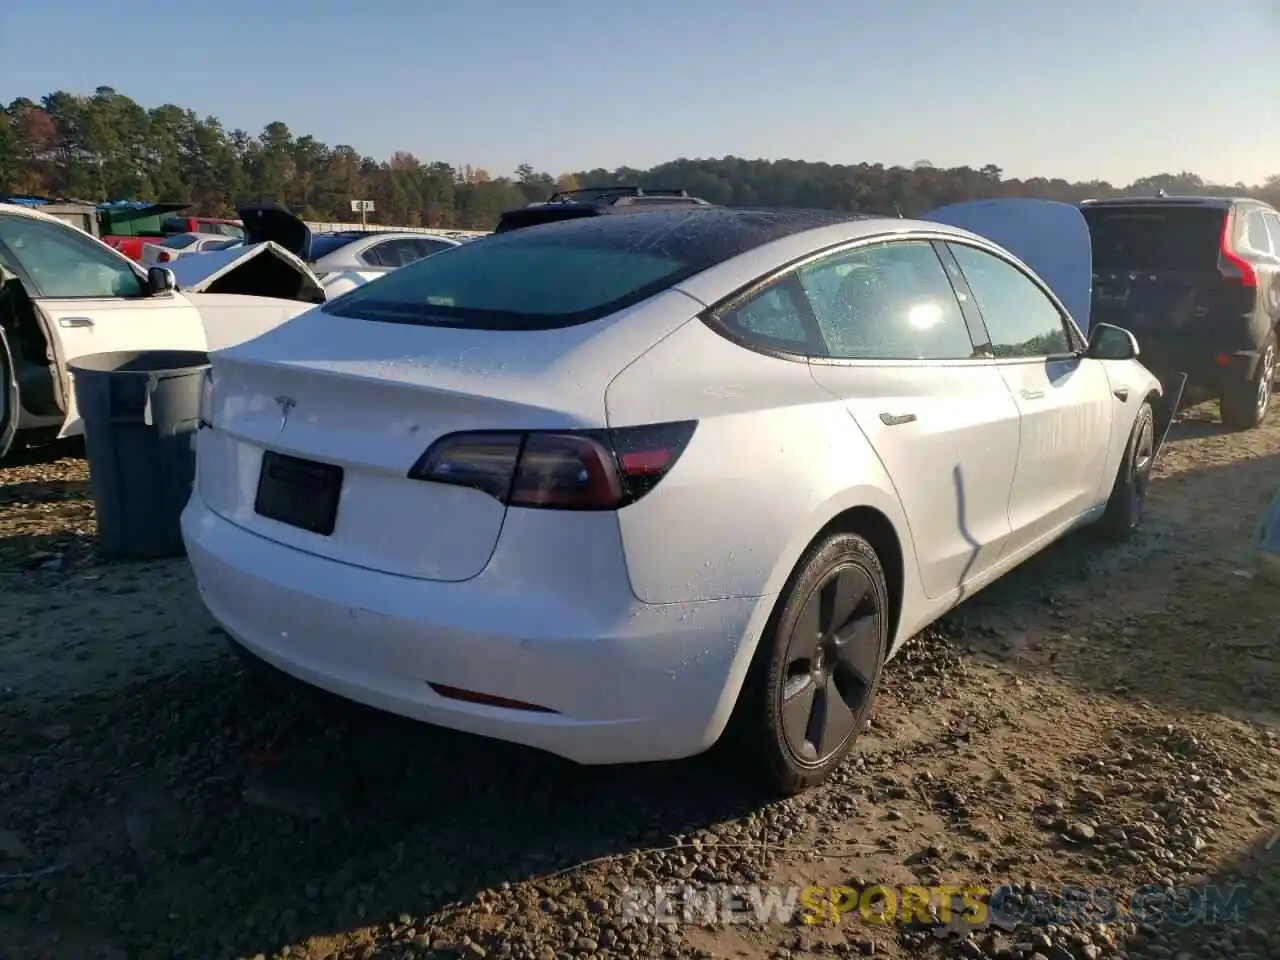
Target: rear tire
(816, 671)
(1245, 405)
(1129, 493)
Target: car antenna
(897, 208)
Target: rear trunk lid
(362, 400)
(1156, 272)
(271, 222)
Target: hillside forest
(108, 147)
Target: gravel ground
(1102, 717)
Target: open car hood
(259, 270)
(1051, 238)
(270, 221)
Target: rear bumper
(629, 681)
(1209, 372)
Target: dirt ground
(1104, 717)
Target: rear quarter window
(1153, 238)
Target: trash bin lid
(140, 362)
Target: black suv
(1197, 281)
(594, 202)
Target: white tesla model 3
(613, 486)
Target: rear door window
(1155, 237)
(382, 254)
(891, 301)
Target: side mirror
(160, 280)
(1109, 342)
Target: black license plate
(301, 493)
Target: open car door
(1051, 238)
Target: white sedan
(65, 294)
(614, 486)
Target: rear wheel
(815, 676)
(1245, 405)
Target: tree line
(108, 147)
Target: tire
(1129, 493)
(814, 677)
(1245, 405)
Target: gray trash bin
(141, 411)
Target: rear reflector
(570, 470)
(486, 699)
(1224, 359)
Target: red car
(128, 229)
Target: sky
(1080, 89)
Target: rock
(1080, 831)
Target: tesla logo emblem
(286, 404)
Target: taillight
(1244, 271)
(163, 256)
(569, 470)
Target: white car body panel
(1066, 408)
(376, 410)
(951, 465)
(634, 626)
(338, 283)
(230, 318)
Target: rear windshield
(183, 240)
(1153, 238)
(539, 278)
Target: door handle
(1032, 394)
(75, 321)
(896, 419)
